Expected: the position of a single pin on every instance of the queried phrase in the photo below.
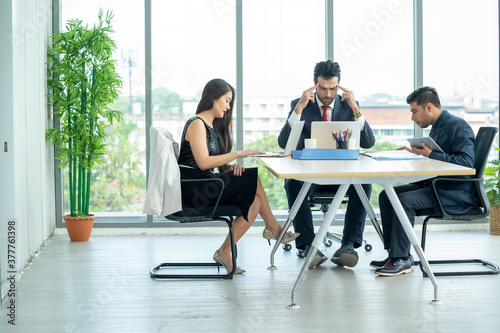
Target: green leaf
(83, 81)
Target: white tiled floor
(104, 286)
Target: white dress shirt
(295, 117)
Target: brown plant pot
(79, 227)
(495, 220)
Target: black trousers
(413, 197)
(354, 223)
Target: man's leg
(413, 197)
(354, 225)
(302, 222)
(386, 214)
(355, 217)
(412, 201)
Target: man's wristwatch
(357, 114)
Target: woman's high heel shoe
(238, 269)
(268, 234)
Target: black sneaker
(396, 266)
(345, 256)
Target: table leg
(291, 215)
(369, 210)
(410, 233)
(318, 239)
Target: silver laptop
(291, 144)
(322, 132)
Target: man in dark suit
(456, 139)
(326, 105)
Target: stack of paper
(392, 155)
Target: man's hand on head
(349, 96)
(307, 96)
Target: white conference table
(365, 170)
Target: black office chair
(161, 136)
(324, 199)
(484, 141)
(216, 213)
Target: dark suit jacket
(341, 112)
(456, 138)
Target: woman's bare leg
(240, 227)
(265, 210)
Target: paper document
(392, 155)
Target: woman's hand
(248, 152)
(237, 169)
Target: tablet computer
(429, 142)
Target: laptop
(322, 132)
(291, 144)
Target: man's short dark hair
(423, 96)
(327, 70)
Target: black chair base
(324, 199)
(338, 238)
(156, 271)
(493, 268)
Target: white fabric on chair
(164, 184)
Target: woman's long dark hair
(214, 90)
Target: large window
(461, 57)
(374, 47)
(373, 44)
(193, 41)
(119, 186)
(282, 41)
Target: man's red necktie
(325, 115)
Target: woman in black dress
(206, 144)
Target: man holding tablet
(325, 104)
(455, 138)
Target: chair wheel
(301, 253)
(368, 247)
(287, 247)
(328, 243)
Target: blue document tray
(326, 154)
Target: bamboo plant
(83, 81)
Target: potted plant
(492, 188)
(83, 81)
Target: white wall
(26, 170)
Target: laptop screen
(322, 132)
(293, 138)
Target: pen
(338, 141)
(335, 137)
